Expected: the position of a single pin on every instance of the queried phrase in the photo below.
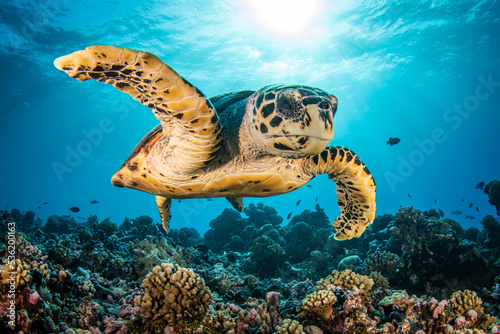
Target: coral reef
(347, 280)
(172, 291)
(318, 303)
(267, 254)
(462, 302)
(412, 272)
(386, 263)
(492, 189)
(290, 327)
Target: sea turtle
(241, 144)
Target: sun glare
(283, 17)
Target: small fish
(309, 186)
(470, 217)
(39, 207)
(80, 217)
(289, 215)
(298, 202)
(317, 207)
(441, 213)
(74, 209)
(393, 141)
(456, 212)
(316, 199)
(409, 195)
(45, 203)
(94, 202)
(209, 199)
(435, 201)
(471, 205)
(463, 199)
(480, 185)
(477, 209)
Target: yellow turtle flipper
(356, 190)
(187, 116)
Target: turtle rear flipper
(164, 204)
(356, 190)
(186, 115)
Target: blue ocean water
(427, 72)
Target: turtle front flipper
(187, 116)
(355, 189)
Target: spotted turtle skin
(234, 145)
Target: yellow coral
(347, 280)
(16, 275)
(173, 291)
(318, 303)
(379, 281)
(463, 301)
(489, 321)
(399, 300)
(290, 327)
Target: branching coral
(290, 327)
(15, 275)
(17, 272)
(398, 300)
(347, 280)
(173, 291)
(253, 316)
(408, 214)
(299, 241)
(318, 304)
(321, 303)
(379, 281)
(386, 263)
(153, 250)
(463, 301)
(267, 255)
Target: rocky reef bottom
(412, 272)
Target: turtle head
(291, 120)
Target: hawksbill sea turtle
(234, 145)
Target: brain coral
(173, 291)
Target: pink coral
(272, 295)
(169, 330)
(439, 309)
(459, 323)
(34, 297)
(471, 317)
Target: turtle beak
(311, 136)
(314, 146)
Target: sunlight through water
(284, 19)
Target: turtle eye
(324, 105)
(285, 104)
